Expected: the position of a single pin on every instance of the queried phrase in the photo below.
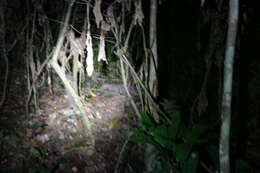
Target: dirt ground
(55, 139)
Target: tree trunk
(227, 88)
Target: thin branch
(121, 152)
(120, 53)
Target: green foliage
(87, 97)
(176, 142)
(38, 156)
(35, 153)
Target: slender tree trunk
(153, 64)
(153, 45)
(227, 88)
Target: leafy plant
(177, 143)
(38, 161)
(87, 97)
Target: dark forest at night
(129, 86)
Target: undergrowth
(178, 146)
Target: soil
(55, 137)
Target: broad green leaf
(161, 135)
(198, 130)
(193, 135)
(137, 130)
(161, 131)
(182, 151)
(173, 130)
(183, 131)
(176, 118)
(141, 138)
(164, 142)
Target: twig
(57, 68)
(121, 152)
(16, 40)
(126, 89)
(122, 56)
(205, 167)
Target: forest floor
(54, 138)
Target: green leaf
(35, 152)
(141, 138)
(176, 125)
(161, 131)
(191, 165)
(137, 130)
(176, 118)
(193, 135)
(161, 135)
(173, 131)
(164, 142)
(146, 120)
(183, 131)
(198, 130)
(87, 97)
(182, 151)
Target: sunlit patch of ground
(55, 139)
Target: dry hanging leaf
(97, 12)
(90, 66)
(75, 43)
(139, 16)
(102, 52)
